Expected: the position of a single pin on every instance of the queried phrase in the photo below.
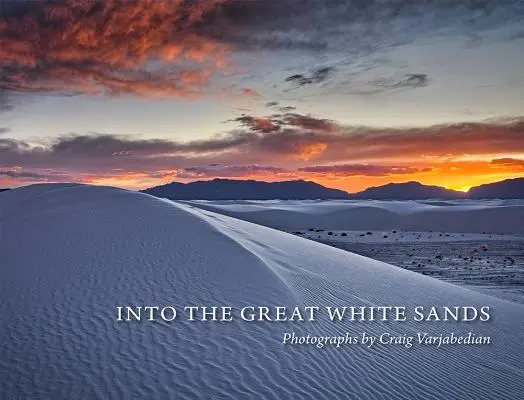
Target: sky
(347, 93)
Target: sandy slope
(70, 254)
(468, 216)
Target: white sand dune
(70, 254)
(466, 216)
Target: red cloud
(508, 162)
(318, 151)
(109, 46)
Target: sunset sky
(348, 93)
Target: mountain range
(508, 189)
(227, 189)
(408, 191)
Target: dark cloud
(356, 27)
(97, 146)
(414, 80)
(362, 79)
(362, 170)
(317, 76)
(355, 37)
(259, 124)
(508, 162)
(301, 140)
(22, 174)
(225, 171)
(389, 84)
(407, 81)
(277, 122)
(308, 122)
(282, 109)
(302, 146)
(359, 83)
(344, 170)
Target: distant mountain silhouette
(508, 189)
(227, 189)
(408, 191)
(3, 190)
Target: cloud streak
(228, 171)
(293, 145)
(22, 174)
(285, 136)
(508, 162)
(345, 170)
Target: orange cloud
(455, 156)
(352, 178)
(305, 152)
(508, 162)
(460, 175)
(250, 92)
(142, 47)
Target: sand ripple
(70, 254)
